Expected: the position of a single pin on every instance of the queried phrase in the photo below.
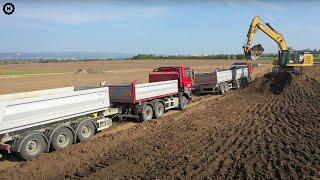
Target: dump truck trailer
(240, 77)
(220, 80)
(35, 122)
(190, 82)
(32, 123)
(148, 100)
(217, 81)
(39, 121)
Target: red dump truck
(199, 83)
(168, 88)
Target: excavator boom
(256, 24)
(288, 59)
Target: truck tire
(32, 147)
(222, 90)
(238, 84)
(147, 113)
(61, 138)
(183, 102)
(85, 130)
(226, 87)
(158, 110)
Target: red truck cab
(183, 74)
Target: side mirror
(193, 74)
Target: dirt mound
(285, 81)
(264, 131)
(89, 71)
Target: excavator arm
(289, 60)
(256, 51)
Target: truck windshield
(188, 73)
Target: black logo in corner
(8, 8)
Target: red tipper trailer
(148, 100)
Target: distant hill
(62, 55)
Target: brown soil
(270, 129)
(89, 71)
(54, 75)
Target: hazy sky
(162, 27)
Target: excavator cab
(295, 58)
(292, 61)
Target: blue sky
(161, 27)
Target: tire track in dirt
(274, 147)
(244, 134)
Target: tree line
(265, 56)
(213, 56)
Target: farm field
(269, 129)
(27, 77)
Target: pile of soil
(270, 129)
(89, 71)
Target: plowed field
(270, 129)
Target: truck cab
(183, 74)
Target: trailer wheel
(238, 84)
(183, 103)
(222, 90)
(32, 147)
(61, 138)
(85, 131)
(146, 114)
(226, 87)
(158, 110)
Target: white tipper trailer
(217, 81)
(220, 80)
(39, 121)
(35, 122)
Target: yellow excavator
(289, 60)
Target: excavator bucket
(256, 51)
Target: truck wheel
(32, 147)
(85, 131)
(246, 80)
(222, 90)
(226, 87)
(147, 113)
(238, 84)
(183, 103)
(61, 138)
(158, 110)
